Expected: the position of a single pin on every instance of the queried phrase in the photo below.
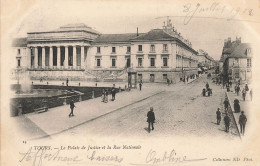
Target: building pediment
(70, 32)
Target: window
(128, 62)
(248, 62)
(152, 62)
(165, 47)
(18, 62)
(98, 49)
(113, 62)
(140, 62)
(98, 63)
(113, 49)
(152, 48)
(165, 62)
(19, 51)
(128, 49)
(164, 76)
(140, 48)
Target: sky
(114, 17)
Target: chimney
(238, 40)
(137, 34)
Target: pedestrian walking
(103, 96)
(72, 106)
(140, 85)
(209, 93)
(235, 88)
(106, 96)
(207, 85)
(244, 94)
(242, 121)
(246, 87)
(204, 92)
(67, 82)
(251, 94)
(236, 105)
(238, 90)
(227, 122)
(150, 119)
(218, 116)
(113, 92)
(226, 103)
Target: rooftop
(240, 51)
(154, 34)
(71, 27)
(114, 38)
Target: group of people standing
(207, 90)
(105, 94)
(242, 121)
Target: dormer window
(98, 49)
(152, 48)
(113, 49)
(140, 48)
(165, 47)
(128, 49)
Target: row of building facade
(236, 61)
(78, 52)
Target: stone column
(82, 57)
(66, 61)
(28, 58)
(51, 58)
(36, 57)
(74, 63)
(43, 57)
(58, 57)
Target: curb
(232, 112)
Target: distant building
(78, 52)
(205, 61)
(236, 61)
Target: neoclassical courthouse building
(78, 52)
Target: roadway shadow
(214, 123)
(222, 130)
(146, 128)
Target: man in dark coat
(113, 92)
(226, 103)
(71, 108)
(150, 118)
(238, 90)
(204, 92)
(227, 122)
(218, 116)
(242, 122)
(140, 84)
(207, 85)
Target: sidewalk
(244, 106)
(56, 120)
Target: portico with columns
(59, 57)
(64, 49)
